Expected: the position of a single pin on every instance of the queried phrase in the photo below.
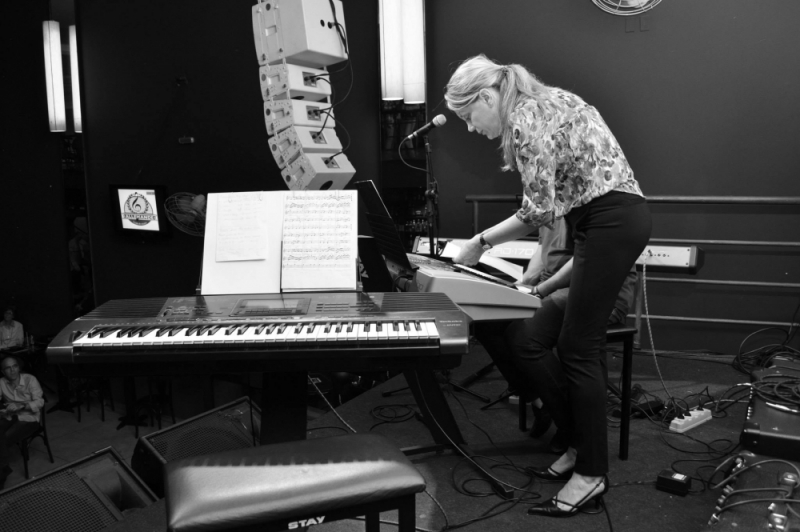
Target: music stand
(391, 247)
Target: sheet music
(242, 228)
(320, 243)
(239, 276)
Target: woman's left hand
(470, 253)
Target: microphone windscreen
(439, 120)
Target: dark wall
(134, 113)
(35, 264)
(703, 99)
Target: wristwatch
(486, 246)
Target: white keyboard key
(314, 332)
(302, 336)
(341, 334)
(413, 333)
(433, 332)
(402, 332)
(361, 332)
(291, 332)
(391, 330)
(372, 331)
(383, 330)
(352, 332)
(267, 333)
(283, 333)
(326, 334)
(421, 331)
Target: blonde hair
(514, 83)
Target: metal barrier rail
(477, 199)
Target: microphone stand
(431, 199)
(432, 216)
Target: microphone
(438, 120)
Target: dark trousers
(610, 232)
(11, 432)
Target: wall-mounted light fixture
(54, 76)
(76, 87)
(402, 25)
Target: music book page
(241, 228)
(320, 240)
(280, 241)
(235, 222)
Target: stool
(614, 334)
(292, 485)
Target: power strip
(690, 420)
(681, 259)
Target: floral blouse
(566, 157)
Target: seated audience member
(20, 414)
(11, 332)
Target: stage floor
(460, 494)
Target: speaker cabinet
(771, 428)
(87, 495)
(236, 425)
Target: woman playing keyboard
(573, 168)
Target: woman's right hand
(470, 253)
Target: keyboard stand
(457, 387)
(283, 415)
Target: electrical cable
(314, 384)
(378, 413)
(457, 447)
(746, 362)
(649, 326)
(402, 159)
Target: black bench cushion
(286, 480)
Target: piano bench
(614, 334)
(293, 485)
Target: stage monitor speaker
(87, 495)
(236, 425)
(772, 428)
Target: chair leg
(406, 514)
(373, 522)
(23, 447)
(625, 407)
(47, 444)
(523, 413)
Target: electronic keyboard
(283, 336)
(482, 296)
(288, 327)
